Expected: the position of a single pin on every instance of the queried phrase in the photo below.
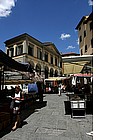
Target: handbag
(15, 111)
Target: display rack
(78, 109)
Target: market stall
(52, 83)
(81, 91)
(6, 64)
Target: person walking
(59, 90)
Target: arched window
(56, 73)
(46, 72)
(38, 68)
(51, 72)
(60, 73)
(32, 64)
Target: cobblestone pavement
(47, 121)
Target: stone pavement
(47, 121)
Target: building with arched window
(44, 58)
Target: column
(24, 46)
(14, 50)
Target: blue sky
(46, 20)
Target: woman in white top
(16, 109)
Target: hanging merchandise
(85, 81)
(74, 81)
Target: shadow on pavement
(25, 113)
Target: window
(56, 73)
(84, 33)
(19, 49)
(11, 52)
(51, 59)
(46, 56)
(91, 26)
(92, 43)
(39, 53)
(51, 72)
(81, 52)
(8, 52)
(80, 38)
(31, 49)
(60, 64)
(79, 28)
(55, 61)
(85, 48)
(38, 69)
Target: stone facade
(44, 58)
(85, 35)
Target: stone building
(85, 35)
(44, 58)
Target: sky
(46, 20)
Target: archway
(56, 73)
(51, 72)
(46, 72)
(31, 63)
(60, 73)
(38, 68)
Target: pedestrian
(62, 88)
(59, 89)
(17, 107)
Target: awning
(56, 78)
(77, 58)
(11, 63)
(16, 82)
(13, 78)
(74, 67)
(82, 75)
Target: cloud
(64, 36)
(77, 41)
(70, 47)
(6, 7)
(90, 2)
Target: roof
(70, 54)
(85, 19)
(77, 58)
(82, 20)
(51, 46)
(20, 37)
(47, 43)
(90, 17)
(34, 40)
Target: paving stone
(51, 123)
(62, 124)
